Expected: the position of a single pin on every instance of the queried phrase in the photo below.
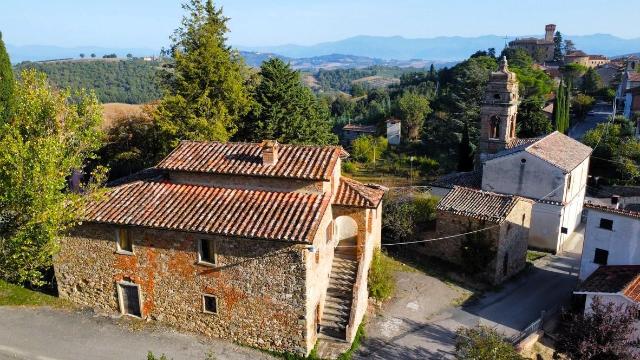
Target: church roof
(270, 215)
(556, 148)
(478, 204)
(469, 179)
(294, 161)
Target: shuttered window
(130, 299)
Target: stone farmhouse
(551, 170)
(230, 240)
(493, 255)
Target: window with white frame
(209, 304)
(124, 243)
(129, 298)
(207, 252)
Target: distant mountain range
(445, 48)
(358, 51)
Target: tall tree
(591, 82)
(414, 109)
(285, 109)
(558, 54)
(6, 82)
(465, 151)
(50, 134)
(604, 332)
(205, 84)
(532, 122)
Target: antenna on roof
(506, 37)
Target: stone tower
(549, 31)
(498, 111)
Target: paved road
(46, 334)
(599, 114)
(422, 335)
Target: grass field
(114, 111)
(14, 295)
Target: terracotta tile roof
(517, 142)
(245, 213)
(612, 210)
(633, 76)
(478, 204)
(294, 161)
(560, 150)
(370, 129)
(556, 148)
(356, 194)
(469, 179)
(614, 279)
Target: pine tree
(558, 54)
(205, 85)
(6, 82)
(286, 110)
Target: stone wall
(260, 285)
(514, 238)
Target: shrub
(381, 283)
(349, 167)
(368, 149)
(483, 343)
(407, 215)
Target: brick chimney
(269, 152)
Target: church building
(551, 170)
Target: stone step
(339, 325)
(340, 311)
(338, 306)
(335, 318)
(332, 336)
(341, 282)
(339, 298)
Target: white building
(630, 80)
(552, 170)
(393, 131)
(612, 237)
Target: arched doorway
(347, 233)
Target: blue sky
(148, 23)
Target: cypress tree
(558, 108)
(6, 82)
(465, 151)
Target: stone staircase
(337, 307)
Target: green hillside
(131, 81)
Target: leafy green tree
(483, 343)
(572, 72)
(50, 134)
(558, 53)
(604, 332)
(6, 82)
(532, 121)
(414, 109)
(368, 148)
(205, 84)
(285, 109)
(582, 104)
(591, 82)
(569, 46)
(407, 215)
(93, 55)
(81, 55)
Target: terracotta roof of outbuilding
(478, 204)
(370, 129)
(633, 76)
(609, 209)
(356, 194)
(614, 279)
(294, 161)
(556, 148)
(268, 215)
(469, 179)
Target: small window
(606, 224)
(564, 230)
(129, 294)
(601, 257)
(496, 96)
(209, 304)
(207, 252)
(569, 182)
(524, 217)
(124, 243)
(317, 255)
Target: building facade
(228, 240)
(612, 237)
(500, 251)
(394, 131)
(541, 50)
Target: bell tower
(498, 111)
